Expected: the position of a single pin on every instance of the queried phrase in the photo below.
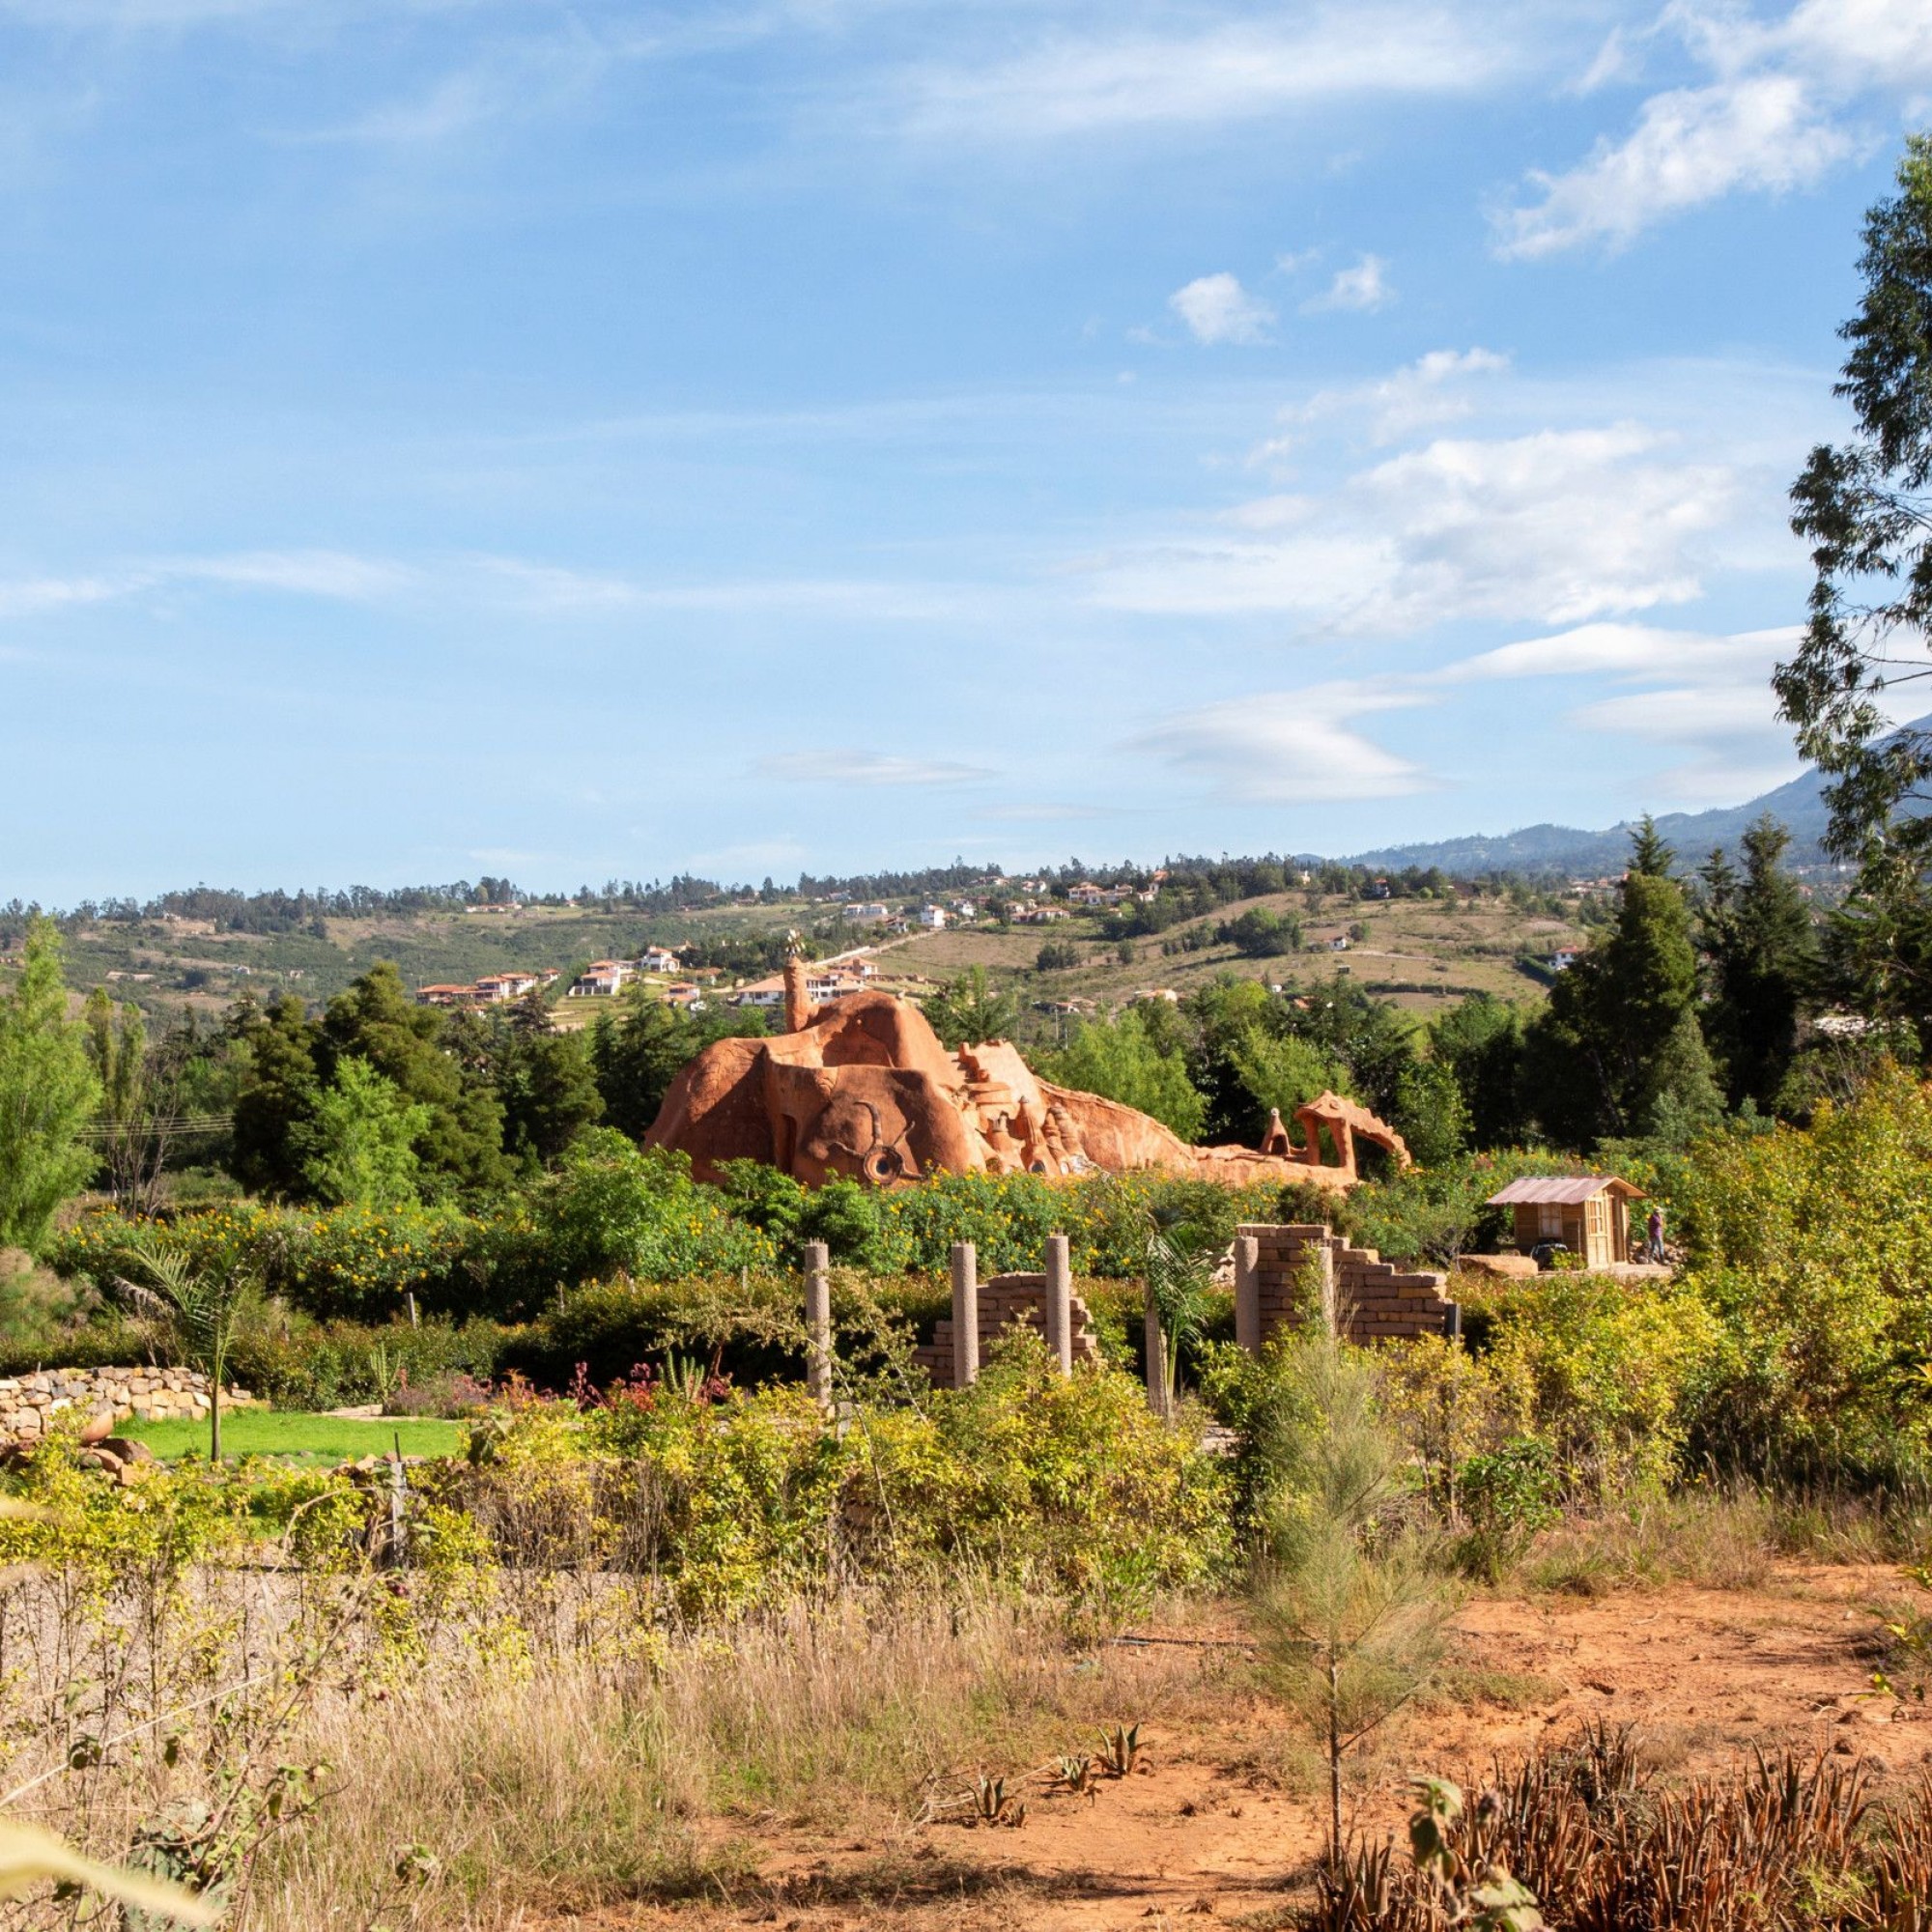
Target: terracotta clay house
(1589, 1213)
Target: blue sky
(591, 441)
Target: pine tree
(48, 1092)
(277, 1098)
(1351, 1620)
(1650, 856)
(376, 1021)
(544, 1081)
(1620, 1036)
(1757, 933)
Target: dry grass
(1724, 1540)
(579, 1782)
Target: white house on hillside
(602, 978)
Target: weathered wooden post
(965, 1315)
(1248, 1293)
(1325, 1300)
(1060, 1302)
(818, 1321)
(1156, 1355)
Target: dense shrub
(730, 1498)
(1604, 1374)
(322, 1365)
(1812, 1249)
(350, 1263)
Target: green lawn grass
(296, 1437)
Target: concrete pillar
(1060, 1302)
(1248, 1293)
(1156, 1356)
(818, 1321)
(965, 1315)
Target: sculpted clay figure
(862, 1087)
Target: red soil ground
(1224, 1821)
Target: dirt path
(1212, 1830)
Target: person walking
(1653, 1250)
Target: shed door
(1595, 1231)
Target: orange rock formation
(862, 1087)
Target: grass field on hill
(323, 1439)
(1424, 953)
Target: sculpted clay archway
(862, 1087)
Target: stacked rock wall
(1373, 1300)
(27, 1402)
(1004, 1301)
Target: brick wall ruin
(1006, 1299)
(1375, 1300)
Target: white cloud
(1216, 308)
(1638, 650)
(1615, 62)
(1432, 389)
(852, 767)
(1227, 73)
(1708, 694)
(1692, 145)
(33, 596)
(1854, 43)
(1042, 811)
(326, 574)
(1557, 526)
(1364, 287)
(1291, 747)
(306, 572)
(1786, 100)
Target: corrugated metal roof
(1569, 1189)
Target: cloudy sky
(444, 436)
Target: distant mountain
(1800, 806)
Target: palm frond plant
(201, 1307)
(1180, 1279)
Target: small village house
(602, 978)
(659, 959)
(495, 988)
(1589, 1213)
(932, 918)
(865, 915)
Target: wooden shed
(1589, 1213)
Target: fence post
(818, 1321)
(965, 1315)
(1248, 1293)
(1327, 1304)
(1060, 1302)
(1156, 1355)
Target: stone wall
(26, 1402)
(1006, 1299)
(1375, 1300)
